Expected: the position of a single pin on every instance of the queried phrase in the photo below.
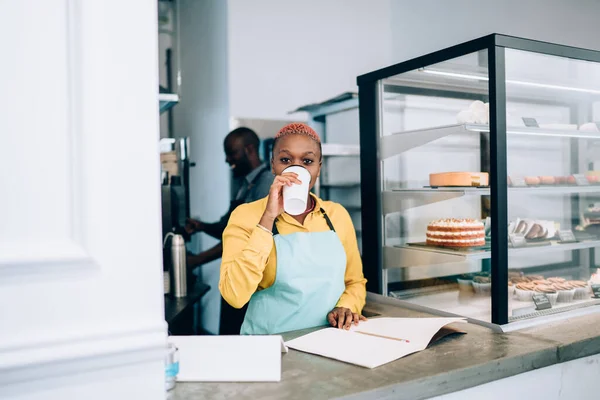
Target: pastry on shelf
(482, 284)
(566, 292)
(465, 282)
(529, 285)
(533, 278)
(541, 282)
(460, 179)
(556, 279)
(593, 177)
(595, 282)
(582, 290)
(477, 113)
(592, 215)
(524, 291)
(453, 232)
(515, 274)
(547, 180)
(550, 292)
(533, 229)
(589, 127)
(589, 226)
(533, 180)
(561, 180)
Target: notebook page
(351, 347)
(418, 331)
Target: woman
(296, 271)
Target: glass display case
(480, 171)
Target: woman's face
(297, 150)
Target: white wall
(80, 260)
(420, 27)
(285, 54)
(203, 115)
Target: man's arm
(214, 253)
(216, 229)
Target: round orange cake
(456, 233)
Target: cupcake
(534, 277)
(595, 283)
(520, 279)
(482, 284)
(465, 283)
(581, 289)
(541, 282)
(514, 275)
(566, 292)
(557, 280)
(524, 291)
(549, 291)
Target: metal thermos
(178, 271)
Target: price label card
(567, 236)
(581, 180)
(531, 122)
(517, 240)
(518, 181)
(541, 302)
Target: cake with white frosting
(456, 233)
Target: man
(253, 180)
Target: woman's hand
(275, 201)
(343, 318)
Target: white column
(81, 299)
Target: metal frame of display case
(370, 92)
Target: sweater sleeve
(246, 250)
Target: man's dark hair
(249, 137)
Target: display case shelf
(398, 143)
(404, 256)
(404, 199)
(167, 100)
(398, 200)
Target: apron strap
(329, 224)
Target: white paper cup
(295, 196)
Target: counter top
(452, 364)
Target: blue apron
(309, 281)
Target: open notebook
(377, 341)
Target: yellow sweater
(250, 261)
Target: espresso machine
(175, 205)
